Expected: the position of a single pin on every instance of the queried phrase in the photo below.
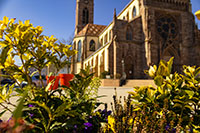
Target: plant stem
(40, 76)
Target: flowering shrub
(171, 107)
(65, 109)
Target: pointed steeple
(114, 17)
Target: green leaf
(170, 64)
(179, 82)
(55, 124)
(197, 72)
(177, 100)
(177, 105)
(49, 85)
(161, 70)
(61, 108)
(158, 80)
(4, 54)
(43, 106)
(189, 107)
(18, 111)
(190, 93)
(34, 73)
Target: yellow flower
(111, 122)
(27, 22)
(191, 69)
(12, 21)
(5, 20)
(130, 121)
(152, 71)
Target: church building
(142, 34)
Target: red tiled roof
(92, 30)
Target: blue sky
(58, 16)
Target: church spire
(114, 17)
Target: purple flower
(31, 115)
(75, 126)
(106, 120)
(104, 111)
(10, 118)
(173, 130)
(167, 127)
(190, 130)
(109, 112)
(88, 124)
(30, 105)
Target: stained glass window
(92, 45)
(134, 12)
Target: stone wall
(129, 83)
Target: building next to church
(142, 34)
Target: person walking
(123, 79)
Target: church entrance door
(129, 67)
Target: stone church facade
(142, 34)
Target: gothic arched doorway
(129, 67)
(167, 54)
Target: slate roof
(92, 30)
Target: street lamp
(198, 14)
(122, 66)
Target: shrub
(103, 74)
(63, 110)
(173, 106)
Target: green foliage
(122, 115)
(103, 74)
(60, 110)
(49, 110)
(33, 49)
(176, 97)
(172, 106)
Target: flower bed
(172, 106)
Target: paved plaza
(107, 91)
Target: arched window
(129, 33)
(85, 16)
(134, 12)
(79, 51)
(92, 45)
(127, 16)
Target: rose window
(167, 29)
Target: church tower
(84, 14)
